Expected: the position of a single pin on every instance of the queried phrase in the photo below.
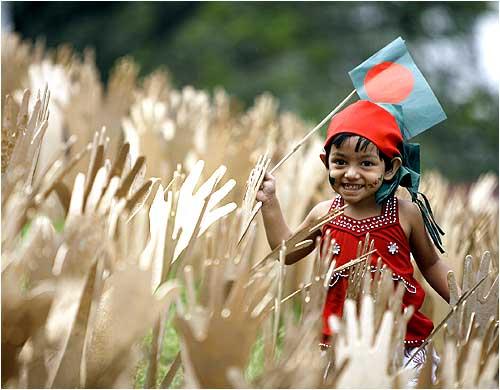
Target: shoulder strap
(336, 203)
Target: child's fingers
(268, 178)
(268, 188)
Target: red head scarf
(369, 121)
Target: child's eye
(339, 162)
(367, 164)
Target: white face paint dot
(225, 313)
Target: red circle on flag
(388, 82)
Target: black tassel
(428, 205)
(431, 227)
(435, 232)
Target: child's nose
(352, 173)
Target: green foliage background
(301, 52)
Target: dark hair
(361, 144)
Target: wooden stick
(450, 313)
(152, 370)
(277, 302)
(247, 226)
(354, 262)
(174, 367)
(306, 137)
(332, 216)
(292, 295)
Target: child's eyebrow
(368, 155)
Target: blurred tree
(299, 51)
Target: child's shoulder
(407, 208)
(320, 209)
(409, 214)
(316, 212)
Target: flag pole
(308, 135)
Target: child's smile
(352, 187)
(357, 174)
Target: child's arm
(275, 225)
(432, 267)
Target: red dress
(392, 246)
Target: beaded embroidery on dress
(387, 217)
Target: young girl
(365, 157)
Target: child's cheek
(333, 176)
(376, 183)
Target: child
(365, 155)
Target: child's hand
(267, 190)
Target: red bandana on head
(369, 121)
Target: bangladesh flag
(390, 76)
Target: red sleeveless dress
(392, 246)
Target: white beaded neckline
(387, 217)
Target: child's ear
(396, 163)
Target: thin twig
(351, 263)
(277, 305)
(169, 377)
(318, 126)
(330, 217)
(247, 226)
(290, 296)
(150, 381)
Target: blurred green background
(301, 52)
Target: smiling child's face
(358, 174)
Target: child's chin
(351, 199)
